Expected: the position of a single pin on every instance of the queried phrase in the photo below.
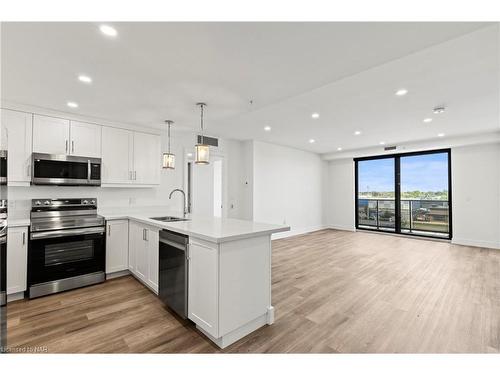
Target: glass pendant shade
(202, 154)
(168, 160)
(168, 157)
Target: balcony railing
(416, 215)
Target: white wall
(476, 195)
(339, 196)
(287, 187)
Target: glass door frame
(397, 191)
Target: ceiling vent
(208, 140)
(390, 148)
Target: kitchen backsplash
(20, 197)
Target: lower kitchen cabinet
(17, 259)
(116, 246)
(203, 286)
(144, 253)
(229, 291)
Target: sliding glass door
(405, 193)
(376, 193)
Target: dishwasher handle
(173, 244)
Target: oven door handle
(66, 233)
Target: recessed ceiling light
(382, 143)
(315, 115)
(72, 104)
(108, 30)
(339, 148)
(189, 155)
(401, 92)
(428, 119)
(357, 132)
(312, 140)
(267, 128)
(85, 79)
(441, 135)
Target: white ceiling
(347, 72)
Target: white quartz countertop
(209, 229)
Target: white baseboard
(341, 227)
(114, 275)
(15, 296)
(296, 232)
(476, 243)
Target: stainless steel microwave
(51, 169)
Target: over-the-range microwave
(48, 169)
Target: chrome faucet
(185, 209)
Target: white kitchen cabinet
(130, 158)
(147, 158)
(135, 231)
(203, 298)
(152, 238)
(85, 139)
(53, 135)
(17, 259)
(50, 135)
(117, 256)
(19, 128)
(117, 154)
(144, 253)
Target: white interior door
(207, 188)
(203, 190)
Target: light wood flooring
(333, 291)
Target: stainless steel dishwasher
(173, 273)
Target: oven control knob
(46, 203)
(38, 203)
(85, 202)
(92, 201)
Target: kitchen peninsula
(228, 267)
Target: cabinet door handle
(66, 148)
(72, 147)
(109, 230)
(28, 170)
(135, 175)
(144, 234)
(24, 238)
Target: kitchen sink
(168, 218)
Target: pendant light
(202, 150)
(168, 157)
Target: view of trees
(417, 194)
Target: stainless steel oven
(67, 246)
(65, 170)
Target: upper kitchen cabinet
(19, 128)
(117, 154)
(130, 158)
(59, 136)
(50, 135)
(85, 139)
(147, 152)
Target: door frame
(215, 153)
(397, 191)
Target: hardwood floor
(333, 291)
